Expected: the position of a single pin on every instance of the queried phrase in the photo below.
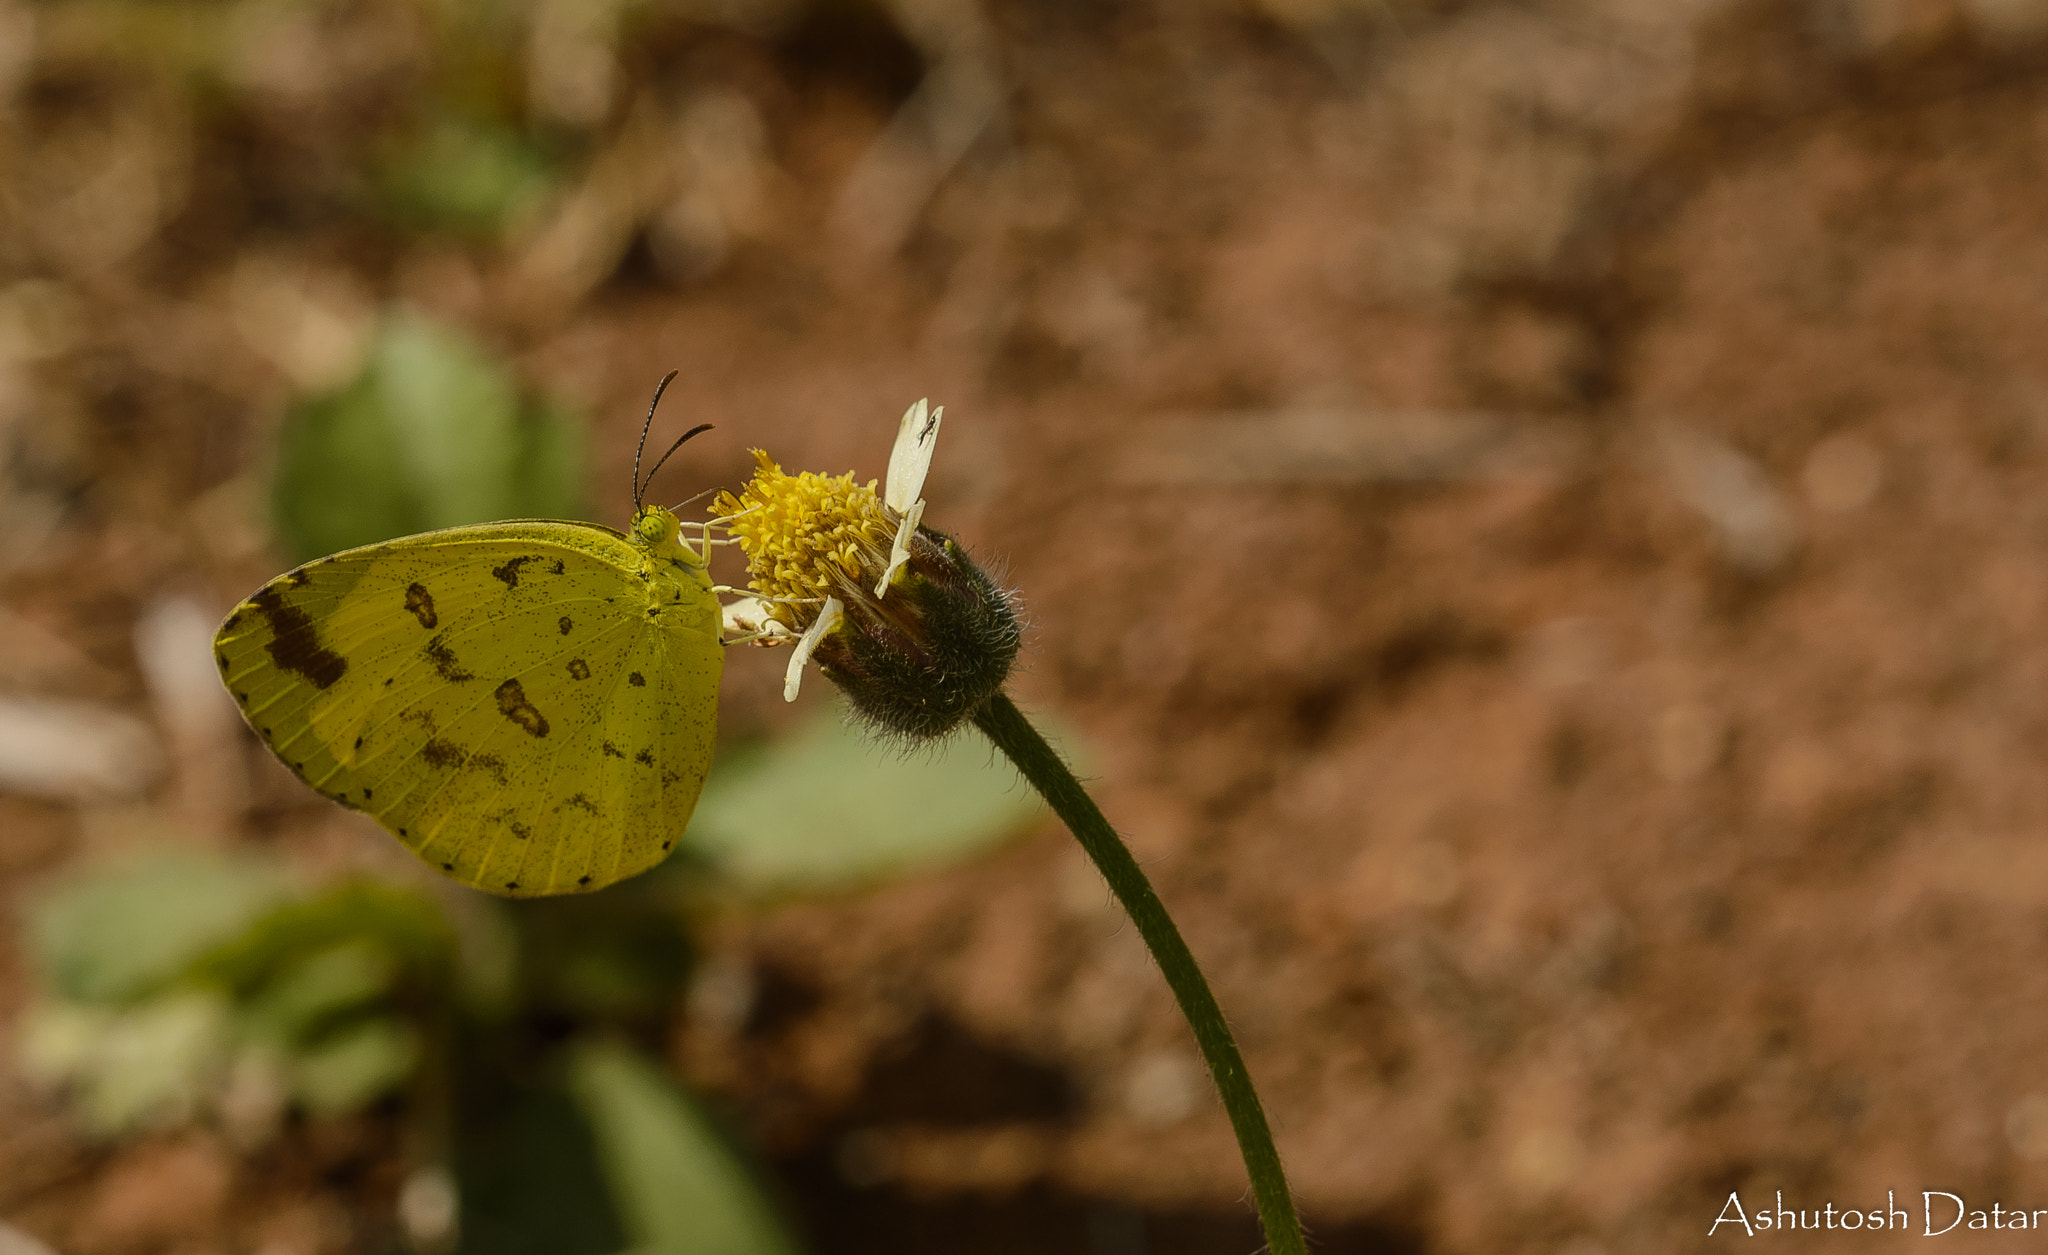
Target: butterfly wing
(529, 707)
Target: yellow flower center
(809, 535)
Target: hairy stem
(1013, 734)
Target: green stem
(1048, 773)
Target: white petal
(745, 616)
(912, 456)
(899, 551)
(828, 618)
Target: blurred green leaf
(530, 1180)
(548, 480)
(156, 1060)
(55, 1041)
(486, 956)
(164, 970)
(620, 955)
(405, 926)
(306, 973)
(829, 809)
(432, 434)
(679, 1188)
(118, 934)
(319, 987)
(466, 175)
(354, 1066)
(342, 480)
(148, 1064)
(454, 412)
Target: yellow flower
(894, 613)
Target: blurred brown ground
(1538, 508)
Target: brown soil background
(1538, 510)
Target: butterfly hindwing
(528, 706)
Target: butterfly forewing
(520, 704)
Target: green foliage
(431, 434)
(456, 153)
(307, 994)
(828, 809)
(152, 1063)
(165, 977)
(176, 987)
(530, 1179)
(356, 933)
(680, 1189)
(467, 176)
(617, 957)
(351, 1068)
(126, 932)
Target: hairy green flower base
(921, 661)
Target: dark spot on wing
(242, 697)
(446, 665)
(668, 843)
(421, 603)
(568, 625)
(583, 880)
(401, 832)
(442, 753)
(366, 790)
(295, 645)
(645, 758)
(583, 802)
(557, 568)
(579, 668)
(511, 884)
(233, 619)
(359, 742)
(513, 705)
(510, 571)
(224, 659)
(521, 830)
(447, 867)
(611, 750)
(637, 680)
(388, 679)
(493, 764)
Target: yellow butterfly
(528, 706)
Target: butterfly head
(655, 527)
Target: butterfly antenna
(698, 430)
(644, 428)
